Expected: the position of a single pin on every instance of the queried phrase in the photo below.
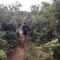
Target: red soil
(19, 54)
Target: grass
(41, 52)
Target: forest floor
(18, 54)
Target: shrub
(3, 55)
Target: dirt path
(19, 54)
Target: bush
(3, 44)
(41, 52)
(3, 55)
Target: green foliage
(44, 20)
(8, 42)
(56, 49)
(3, 43)
(57, 4)
(3, 55)
(39, 53)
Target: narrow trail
(19, 52)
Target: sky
(26, 3)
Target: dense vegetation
(45, 29)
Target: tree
(34, 9)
